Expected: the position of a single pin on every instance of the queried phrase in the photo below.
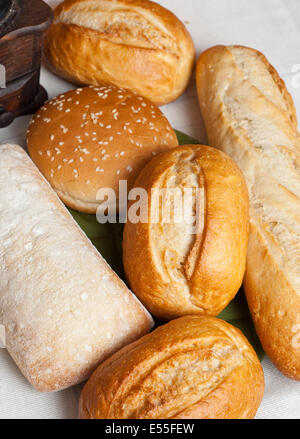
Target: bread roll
(196, 367)
(250, 115)
(179, 265)
(94, 137)
(135, 44)
(63, 308)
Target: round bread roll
(191, 252)
(135, 44)
(195, 367)
(93, 137)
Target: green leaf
(184, 139)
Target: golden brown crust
(183, 270)
(93, 137)
(196, 367)
(250, 115)
(137, 45)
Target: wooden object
(22, 25)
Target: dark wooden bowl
(22, 25)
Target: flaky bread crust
(135, 44)
(195, 367)
(250, 115)
(174, 268)
(64, 310)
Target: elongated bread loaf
(63, 308)
(250, 115)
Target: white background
(272, 26)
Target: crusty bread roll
(63, 308)
(250, 115)
(196, 367)
(174, 265)
(93, 137)
(136, 44)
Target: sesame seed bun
(93, 137)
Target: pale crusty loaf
(94, 137)
(250, 115)
(135, 44)
(174, 265)
(63, 308)
(196, 367)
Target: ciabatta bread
(63, 308)
(250, 115)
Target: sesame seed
(64, 129)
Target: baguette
(250, 115)
(63, 308)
